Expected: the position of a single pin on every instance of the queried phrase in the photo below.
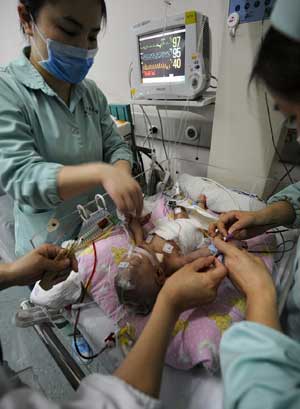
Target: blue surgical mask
(65, 62)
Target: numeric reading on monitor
(162, 56)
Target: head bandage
(124, 268)
(131, 289)
(140, 251)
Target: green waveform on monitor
(150, 46)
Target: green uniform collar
(286, 18)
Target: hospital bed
(195, 388)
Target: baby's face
(142, 278)
(144, 270)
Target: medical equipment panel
(251, 10)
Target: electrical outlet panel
(252, 10)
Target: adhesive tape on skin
(213, 249)
(160, 257)
(149, 239)
(168, 248)
(177, 210)
(139, 251)
(124, 265)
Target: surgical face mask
(65, 62)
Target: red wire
(94, 267)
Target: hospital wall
(241, 136)
(112, 63)
(11, 39)
(111, 68)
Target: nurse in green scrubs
(260, 364)
(58, 143)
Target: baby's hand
(145, 219)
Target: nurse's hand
(31, 268)
(194, 285)
(242, 225)
(250, 274)
(122, 188)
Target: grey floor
(22, 348)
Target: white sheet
(219, 199)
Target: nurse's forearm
(143, 366)
(4, 278)
(123, 165)
(7, 278)
(75, 180)
(262, 308)
(277, 214)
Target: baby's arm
(137, 231)
(176, 262)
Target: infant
(168, 247)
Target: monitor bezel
(193, 51)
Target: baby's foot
(202, 202)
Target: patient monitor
(171, 57)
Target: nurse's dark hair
(277, 65)
(34, 6)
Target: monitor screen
(162, 56)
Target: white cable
(147, 138)
(149, 135)
(224, 188)
(168, 5)
(130, 69)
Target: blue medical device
(252, 10)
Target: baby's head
(138, 281)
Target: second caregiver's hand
(30, 268)
(195, 284)
(242, 225)
(250, 274)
